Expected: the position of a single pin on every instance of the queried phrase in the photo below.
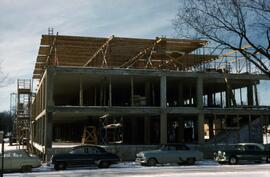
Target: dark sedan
(84, 155)
(243, 152)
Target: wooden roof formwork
(118, 52)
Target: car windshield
(32, 155)
(163, 147)
(167, 148)
(239, 147)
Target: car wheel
(104, 164)
(233, 160)
(190, 161)
(152, 162)
(26, 168)
(60, 166)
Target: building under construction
(142, 92)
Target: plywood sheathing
(169, 54)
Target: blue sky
(22, 22)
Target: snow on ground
(206, 168)
(131, 169)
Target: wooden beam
(133, 59)
(99, 50)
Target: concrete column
(201, 128)
(221, 100)
(228, 98)
(163, 128)
(48, 132)
(180, 95)
(49, 90)
(199, 93)
(110, 92)
(81, 92)
(163, 115)
(256, 95)
(199, 98)
(48, 118)
(250, 95)
(163, 92)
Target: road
(202, 169)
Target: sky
(22, 22)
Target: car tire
(60, 166)
(152, 162)
(104, 164)
(233, 160)
(26, 168)
(190, 161)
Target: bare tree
(3, 77)
(233, 24)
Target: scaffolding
(23, 111)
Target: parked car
(84, 155)
(19, 160)
(243, 152)
(170, 153)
